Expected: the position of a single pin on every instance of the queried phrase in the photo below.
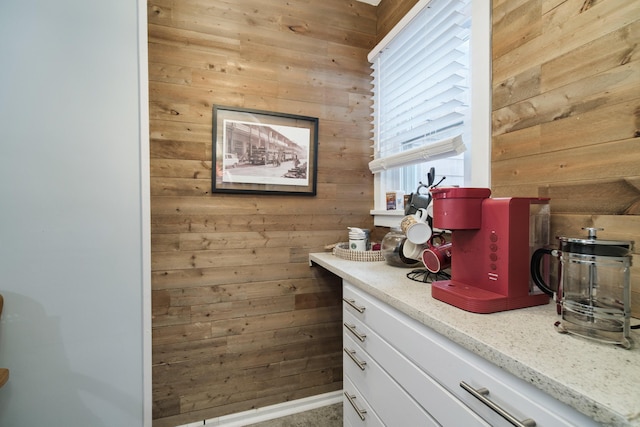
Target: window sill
(389, 218)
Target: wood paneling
(240, 321)
(566, 96)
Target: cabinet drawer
(450, 364)
(356, 410)
(435, 399)
(389, 401)
(354, 303)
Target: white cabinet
(404, 374)
(356, 410)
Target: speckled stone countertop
(599, 380)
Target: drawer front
(389, 401)
(354, 303)
(435, 399)
(449, 365)
(356, 410)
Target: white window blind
(421, 97)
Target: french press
(593, 292)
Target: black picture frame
(262, 152)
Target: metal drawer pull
(360, 412)
(352, 355)
(481, 394)
(352, 329)
(352, 303)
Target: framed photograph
(263, 152)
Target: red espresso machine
(493, 240)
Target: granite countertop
(599, 380)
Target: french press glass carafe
(593, 290)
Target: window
(432, 100)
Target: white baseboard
(271, 412)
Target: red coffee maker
(493, 240)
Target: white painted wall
(73, 214)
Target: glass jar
(391, 248)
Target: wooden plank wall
(240, 320)
(566, 113)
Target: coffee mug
(415, 227)
(416, 201)
(412, 250)
(437, 258)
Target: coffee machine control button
(493, 247)
(493, 237)
(493, 257)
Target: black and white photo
(264, 152)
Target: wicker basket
(341, 250)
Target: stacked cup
(357, 239)
(437, 257)
(415, 227)
(419, 245)
(418, 233)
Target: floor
(326, 416)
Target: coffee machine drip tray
(477, 300)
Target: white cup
(412, 250)
(415, 227)
(357, 239)
(357, 244)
